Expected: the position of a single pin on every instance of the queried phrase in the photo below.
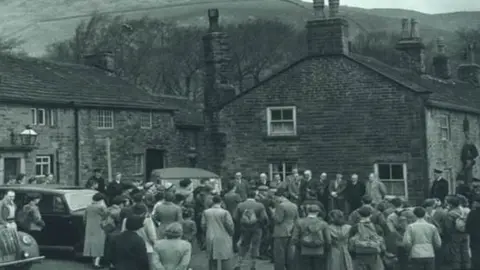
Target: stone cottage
(83, 114)
(334, 111)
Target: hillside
(41, 22)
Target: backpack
(460, 223)
(249, 217)
(366, 241)
(313, 237)
(21, 218)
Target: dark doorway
(154, 159)
(11, 168)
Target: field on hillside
(42, 22)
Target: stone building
(78, 110)
(334, 111)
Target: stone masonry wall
(348, 118)
(445, 154)
(16, 116)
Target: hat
(168, 185)
(365, 211)
(174, 230)
(437, 171)
(148, 185)
(134, 223)
(313, 208)
(262, 188)
(139, 209)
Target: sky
(425, 6)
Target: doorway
(154, 159)
(11, 168)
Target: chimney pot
(440, 45)
(213, 15)
(405, 31)
(415, 32)
(103, 60)
(319, 8)
(333, 5)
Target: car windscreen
(78, 200)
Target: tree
(260, 47)
(11, 46)
(468, 36)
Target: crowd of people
(298, 223)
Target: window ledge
(281, 138)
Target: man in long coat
(439, 187)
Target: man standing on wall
(468, 156)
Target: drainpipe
(77, 143)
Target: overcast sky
(426, 6)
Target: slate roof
(449, 94)
(38, 81)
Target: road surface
(198, 263)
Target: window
(281, 121)
(444, 122)
(43, 165)
(282, 168)
(139, 164)
(38, 117)
(42, 117)
(394, 176)
(52, 204)
(104, 119)
(146, 120)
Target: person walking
(166, 213)
(94, 235)
(217, 223)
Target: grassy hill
(41, 22)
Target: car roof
(55, 189)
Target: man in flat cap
(439, 187)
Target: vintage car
(18, 250)
(62, 209)
(176, 174)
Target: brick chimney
(218, 66)
(411, 47)
(327, 36)
(104, 60)
(469, 72)
(441, 63)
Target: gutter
(453, 107)
(77, 142)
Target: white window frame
(44, 160)
(143, 117)
(35, 121)
(102, 116)
(269, 121)
(444, 128)
(284, 172)
(53, 115)
(139, 164)
(404, 180)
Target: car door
(56, 216)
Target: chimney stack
(218, 65)
(104, 60)
(411, 47)
(469, 72)
(319, 8)
(441, 63)
(327, 36)
(333, 6)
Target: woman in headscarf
(147, 231)
(339, 256)
(94, 234)
(33, 218)
(172, 253)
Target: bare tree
(11, 46)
